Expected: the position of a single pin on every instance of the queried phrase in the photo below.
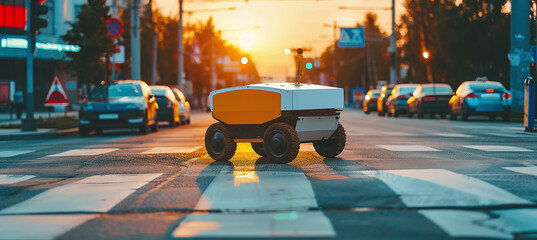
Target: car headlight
(136, 105)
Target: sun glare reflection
(245, 176)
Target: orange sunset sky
(282, 24)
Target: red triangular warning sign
(56, 95)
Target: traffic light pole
(29, 124)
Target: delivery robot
(275, 118)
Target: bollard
(529, 104)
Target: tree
(89, 33)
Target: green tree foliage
(89, 33)
(465, 39)
(360, 67)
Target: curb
(72, 132)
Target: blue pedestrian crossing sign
(352, 37)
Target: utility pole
(29, 124)
(519, 54)
(135, 41)
(213, 65)
(392, 50)
(180, 58)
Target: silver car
(481, 97)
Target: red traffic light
(299, 51)
(532, 64)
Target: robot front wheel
(219, 143)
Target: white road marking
(236, 192)
(251, 225)
(501, 224)
(497, 148)
(529, 170)
(446, 134)
(408, 148)
(92, 194)
(440, 187)
(463, 224)
(511, 135)
(39, 226)
(160, 150)
(84, 152)
(14, 153)
(10, 179)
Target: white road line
(397, 134)
(530, 170)
(440, 187)
(408, 148)
(270, 191)
(463, 224)
(251, 225)
(14, 153)
(92, 194)
(10, 179)
(84, 152)
(510, 135)
(161, 150)
(288, 194)
(501, 224)
(446, 134)
(39, 226)
(497, 148)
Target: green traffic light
(309, 65)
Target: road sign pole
(29, 124)
(180, 57)
(519, 54)
(135, 41)
(393, 51)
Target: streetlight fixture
(425, 55)
(244, 60)
(287, 51)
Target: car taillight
(506, 96)
(404, 97)
(471, 95)
(429, 98)
(170, 104)
(489, 90)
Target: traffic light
(309, 63)
(532, 70)
(37, 10)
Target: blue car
(481, 97)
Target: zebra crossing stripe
(274, 207)
(499, 224)
(163, 150)
(447, 134)
(4, 154)
(93, 194)
(11, 179)
(497, 148)
(84, 152)
(440, 187)
(17, 227)
(530, 170)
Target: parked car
(184, 106)
(385, 93)
(481, 97)
(370, 101)
(397, 102)
(208, 104)
(122, 104)
(431, 98)
(168, 109)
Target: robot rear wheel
(281, 142)
(219, 143)
(258, 148)
(332, 146)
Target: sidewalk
(16, 134)
(6, 118)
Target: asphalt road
(396, 179)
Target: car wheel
(452, 116)
(154, 127)
(367, 112)
(281, 142)
(83, 132)
(464, 114)
(219, 143)
(420, 114)
(258, 148)
(332, 146)
(143, 130)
